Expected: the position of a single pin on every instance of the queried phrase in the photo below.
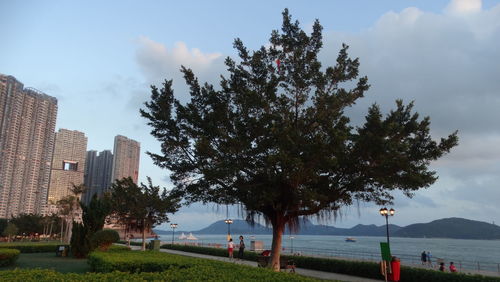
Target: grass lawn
(50, 261)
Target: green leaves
(8, 256)
(274, 137)
(143, 206)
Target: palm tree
(69, 208)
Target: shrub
(8, 256)
(180, 268)
(104, 238)
(136, 261)
(132, 243)
(118, 248)
(32, 247)
(80, 246)
(219, 252)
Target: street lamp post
(385, 212)
(173, 226)
(291, 243)
(228, 222)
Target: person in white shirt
(230, 248)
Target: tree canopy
(274, 136)
(143, 206)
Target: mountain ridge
(453, 228)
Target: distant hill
(455, 228)
(307, 228)
(237, 227)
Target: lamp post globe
(228, 222)
(173, 226)
(385, 212)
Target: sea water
(470, 254)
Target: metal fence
(473, 267)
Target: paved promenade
(301, 271)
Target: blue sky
(99, 58)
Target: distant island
(454, 228)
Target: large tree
(141, 207)
(274, 137)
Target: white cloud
(464, 6)
(158, 62)
(448, 64)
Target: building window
(69, 165)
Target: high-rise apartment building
(126, 154)
(98, 169)
(68, 164)
(27, 123)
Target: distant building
(126, 154)
(68, 164)
(98, 169)
(27, 123)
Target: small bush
(32, 247)
(80, 245)
(8, 256)
(136, 261)
(132, 243)
(103, 239)
(118, 248)
(219, 252)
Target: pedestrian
(429, 261)
(230, 247)
(423, 258)
(441, 266)
(452, 267)
(241, 249)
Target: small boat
(183, 236)
(350, 239)
(191, 237)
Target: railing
(475, 267)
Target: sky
(98, 58)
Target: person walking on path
(429, 262)
(453, 268)
(423, 258)
(241, 248)
(230, 247)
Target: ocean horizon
(468, 253)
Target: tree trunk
(278, 228)
(69, 225)
(50, 229)
(143, 236)
(62, 229)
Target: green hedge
(219, 252)
(8, 256)
(172, 267)
(115, 248)
(413, 274)
(132, 243)
(355, 268)
(135, 261)
(235, 273)
(32, 247)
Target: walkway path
(302, 271)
